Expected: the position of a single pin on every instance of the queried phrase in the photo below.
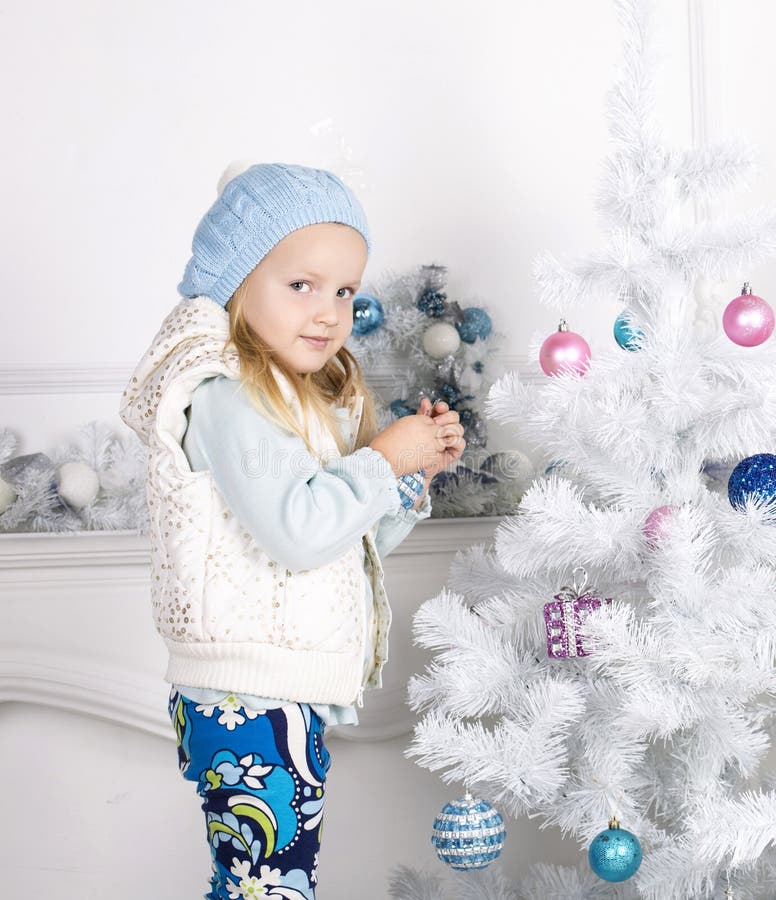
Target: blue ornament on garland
(432, 303)
(468, 834)
(615, 854)
(399, 408)
(449, 394)
(443, 482)
(368, 314)
(476, 324)
(753, 477)
(627, 335)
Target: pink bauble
(564, 351)
(748, 320)
(655, 526)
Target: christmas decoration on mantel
(94, 483)
(446, 351)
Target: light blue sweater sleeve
(302, 514)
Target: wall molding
(18, 379)
(705, 62)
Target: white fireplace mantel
(77, 632)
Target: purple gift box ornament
(564, 616)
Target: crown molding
(108, 378)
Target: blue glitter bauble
(627, 335)
(368, 314)
(399, 408)
(468, 834)
(615, 854)
(476, 324)
(753, 477)
(432, 303)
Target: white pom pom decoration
(77, 484)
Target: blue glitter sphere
(468, 833)
(615, 854)
(476, 324)
(627, 335)
(368, 314)
(399, 408)
(753, 477)
(432, 303)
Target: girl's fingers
(448, 418)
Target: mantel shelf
(106, 548)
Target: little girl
(272, 500)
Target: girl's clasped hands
(431, 440)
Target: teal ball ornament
(754, 477)
(615, 854)
(476, 324)
(368, 314)
(468, 834)
(628, 336)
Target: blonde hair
(340, 379)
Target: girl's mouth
(320, 343)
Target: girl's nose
(327, 312)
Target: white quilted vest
(232, 617)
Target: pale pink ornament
(655, 526)
(748, 320)
(564, 351)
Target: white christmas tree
(661, 713)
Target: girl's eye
(345, 292)
(301, 287)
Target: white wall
(479, 130)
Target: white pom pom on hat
(235, 168)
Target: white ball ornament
(77, 484)
(440, 340)
(7, 495)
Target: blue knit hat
(255, 210)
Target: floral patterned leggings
(261, 777)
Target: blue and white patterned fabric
(261, 777)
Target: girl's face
(304, 289)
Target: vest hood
(192, 327)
